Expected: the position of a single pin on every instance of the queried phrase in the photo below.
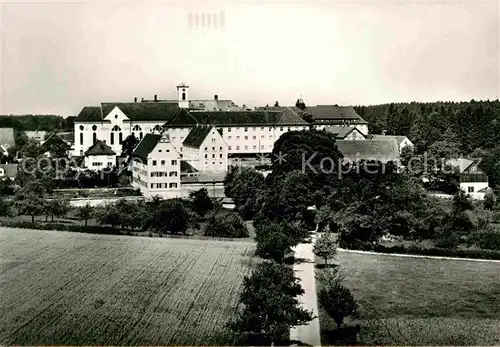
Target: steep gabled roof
(197, 135)
(381, 150)
(461, 163)
(90, 114)
(54, 140)
(99, 148)
(187, 168)
(289, 117)
(143, 111)
(145, 147)
(182, 118)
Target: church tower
(183, 95)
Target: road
(310, 333)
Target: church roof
(197, 135)
(143, 111)
(89, 113)
(145, 147)
(99, 148)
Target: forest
(470, 129)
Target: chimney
(156, 97)
(135, 99)
(216, 97)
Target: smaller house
(205, 149)
(99, 156)
(402, 141)
(156, 167)
(8, 171)
(473, 180)
(369, 150)
(345, 133)
(55, 145)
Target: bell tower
(183, 95)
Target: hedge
(61, 227)
(441, 252)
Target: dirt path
(310, 333)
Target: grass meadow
(73, 289)
(419, 301)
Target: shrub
(230, 225)
(488, 240)
(338, 302)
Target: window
(213, 155)
(237, 148)
(246, 137)
(206, 148)
(281, 128)
(112, 138)
(81, 127)
(261, 146)
(262, 136)
(237, 129)
(81, 138)
(255, 138)
(154, 162)
(253, 129)
(173, 185)
(471, 189)
(116, 116)
(159, 150)
(254, 147)
(270, 128)
(220, 148)
(221, 155)
(289, 128)
(94, 127)
(162, 162)
(246, 147)
(246, 129)
(213, 148)
(229, 148)
(174, 162)
(270, 137)
(173, 138)
(120, 138)
(229, 130)
(213, 140)
(140, 136)
(206, 156)
(261, 128)
(229, 137)
(172, 173)
(237, 137)
(94, 138)
(152, 185)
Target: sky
(57, 57)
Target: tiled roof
(461, 163)
(145, 147)
(7, 137)
(187, 168)
(238, 117)
(68, 136)
(99, 148)
(331, 113)
(197, 135)
(89, 113)
(381, 150)
(143, 111)
(398, 138)
(54, 140)
(10, 170)
(289, 116)
(182, 118)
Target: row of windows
(213, 148)
(98, 164)
(253, 137)
(164, 174)
(246, 147)
(262, 128)
(163, 185)
(173, 162)
(213, 156)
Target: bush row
(441, 252)
(61, 227)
